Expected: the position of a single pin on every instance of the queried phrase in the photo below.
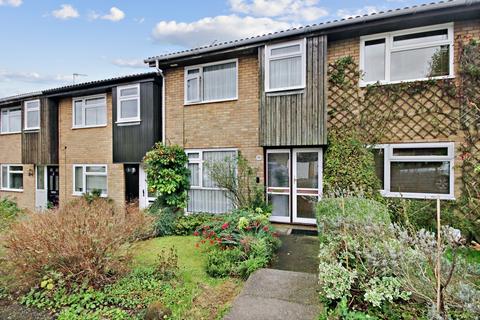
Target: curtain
(220, 81)
(286, 72)
(211, 201)
(96, 183)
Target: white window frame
(28, 109)
(85, 174)
(200, 163)
(7, 131)
(2, 187)
(389, 49)
(130, 97)
(84, 106)
(199, 75)
(389, 158)
(269, 57)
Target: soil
(10, 310)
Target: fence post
(438, 271)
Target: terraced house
(60, 143)
(391, 76)
(397, 78)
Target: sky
(44, 42)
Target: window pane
(4, 177)
(16, 181)
(95, 101)
(95, 116)
(210, 157)
(278, 170)
(78, 179)
(420, 63)
(40, 178)
(129, 92)
(33, 119)
(420, 38)
(15, 121)
(420, 177)
(96, 183)
(16, 168)
(128, 109)
(379, 157)
(280, 205)
(32, 104)
(285, 50)
(194, 155)
(285, 73)
(306, 206)
(193, 71)
(220, 81)
(374, 60)
(420, 152)
(192, 89)
(194, 174)
(95, 169)
(78, 113)
(211, 201)
(307, 170)
(4, 122)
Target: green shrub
(239, 243)
(187, 224)
(9, 211)
(165, 218)
(349, 166)
(167, 175)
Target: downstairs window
(11, 177)
(87, 178)
(418, 170)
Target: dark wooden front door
(53, 187)
(131, 182)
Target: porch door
(145, 198)
(294, 184)
(41, 199)
(307, 184)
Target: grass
(196, 295)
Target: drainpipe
(160, 72)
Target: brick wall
(87, 146)
(232, 124)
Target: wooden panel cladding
(296, 117)
(41, 146)
(132, 141)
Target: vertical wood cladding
(297, 117)
(41, 146)
(131, 142)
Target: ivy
(337, 75)
(168, 175)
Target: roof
(323, 26)
(19, 97)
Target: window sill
(298, 88)
(31, 130)
(284, 92)
(90, 127)
(82, 194)
(386, 83)
(128, 123)
(186, 104)
(407, 195)
(12, 190)
(10, 133)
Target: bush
(239, 243)
(167, 175)
(187, 224)
(79, 241)
(164, 219)
(8, 212)
(350, 165)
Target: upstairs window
(285, 66)
(90, 111)
(32, 115)
(409, 55)
(11, 120)
(128, 103)
(211, 82)
(416, 170)
(11, 177)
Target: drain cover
(304, 232)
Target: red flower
(195, 233)
(225, 226)
(212, 242)
(203, 241)
(265, 228)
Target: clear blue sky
(43, 42)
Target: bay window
(11, 177)
(87, 178)
(32, 115)
(90, 111)
(128, 103)
(211, 82)
(416, 170)
(11, 120)
(204, 195)
(285, 66)
(407, 55)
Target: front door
(41, 199)
(52, 185)
(131, 182)
(294, 184)
(146, 197)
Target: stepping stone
(276, 294)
